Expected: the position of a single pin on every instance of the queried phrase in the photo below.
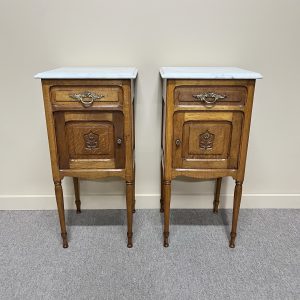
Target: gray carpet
(198, 264)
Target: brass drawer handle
(209, 98)
(177, 142)
(86, 98)
(119, 141)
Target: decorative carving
(91, 140)
(206, 140)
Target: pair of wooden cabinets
(205, 129)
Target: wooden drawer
(210, 95)
(207, 140)
(86, 97)
(90, 140)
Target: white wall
(262, 36)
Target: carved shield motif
(206, 140)
(91, 140)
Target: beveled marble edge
(207, 73)
(89, 73)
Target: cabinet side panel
(169, 111)
(128, 129)
(246, 131)
(51, 131)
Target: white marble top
(207, 73)
(89, 73)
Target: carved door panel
(208, 140)
(88, 140)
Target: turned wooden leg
(236, 209)
(133, 194)
(167, 200)
(77, 195)
(217, 195)
(61, 211)
(129, 198)
(161, 190)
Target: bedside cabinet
(90, 124)
(205, 130)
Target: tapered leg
(133, 193)
(129, 198)
(161, 190)
(167, 200)
(61, 211)
(77, 195)
(236, 209)
(217, 195)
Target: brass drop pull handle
(209, 98)
(119, 141)
(177, 142)
(87, 98)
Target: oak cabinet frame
(205, 139)
(90, 137)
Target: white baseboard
(147, 201)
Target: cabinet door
(207, 140)
(90, 140)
